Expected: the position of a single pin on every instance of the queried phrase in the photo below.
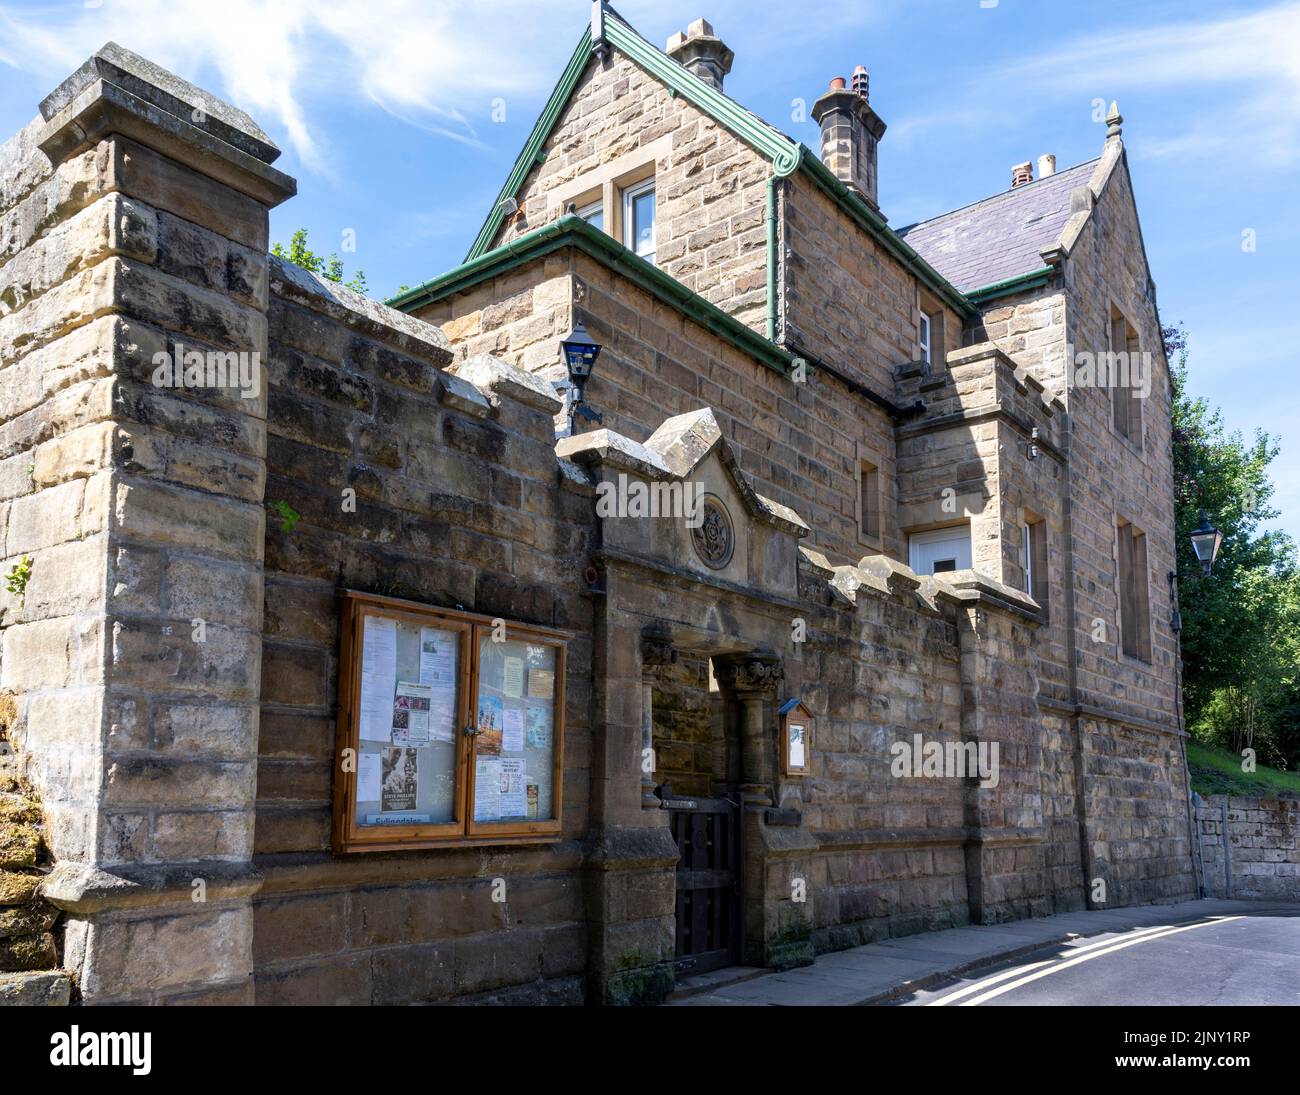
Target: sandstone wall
(801, 443)
(1261, 858)
(622, 125)
(459, 502)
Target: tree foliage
(331, 269)
(1241, 624)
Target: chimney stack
(702, 53)
(1046, 165)
(1022, 173)
(851, 133)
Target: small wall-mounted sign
(796, 738)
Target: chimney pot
(1022, 173)
(861, 82)
(702, 53)
(1046, 165)
(837, 83)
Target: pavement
(1195, 952)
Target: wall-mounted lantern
(1206, 541)
(796, 738)
(580, 351)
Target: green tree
(1241, 624)
(331, 269)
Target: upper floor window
(940, 551)
(869, 501)
(1126, 375)
(593, 214)
(1034, 548)
(930, 331)
(1134, 596)
(639, 219)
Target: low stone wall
(1257, 838)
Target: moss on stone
(17, 888)
(19, 845)
(27, 919)
(28, 952)
(19, 809)
(638, 980)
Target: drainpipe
(784, 165)
(771, 257)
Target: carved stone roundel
(714, 538)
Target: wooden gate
(707, 831)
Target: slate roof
(999, 237)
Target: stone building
(927, 522)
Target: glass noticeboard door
(450, 728)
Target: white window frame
(630, 194)
(1027, 546)
(598, 206)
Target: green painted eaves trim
(573, 231)
(1030, 280)
(786, 155)
(533, 148)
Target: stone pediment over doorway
(680, 500)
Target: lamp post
(580, 351)
(1206, 541)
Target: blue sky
(390, 116)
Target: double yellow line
(1008, 980)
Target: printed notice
(438, 651)
(512, 801)
(399, 779)
(487, 788)
(541, 683)
(513, 676)
(539, 727)
(378, 678)
(512, 730)
(370, 777)
(796, 746)
(437, 656)
(491, 715)
(411, 714)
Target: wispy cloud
(1252, 60)
(431, 63)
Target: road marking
(1095, 950)
(1019, 970)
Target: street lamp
(1206, 540)
(580, 351)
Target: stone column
(140, 684)
(778, 897)
(656, 653)
(631, 860)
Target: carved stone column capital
(657, 652)
(757, 673)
